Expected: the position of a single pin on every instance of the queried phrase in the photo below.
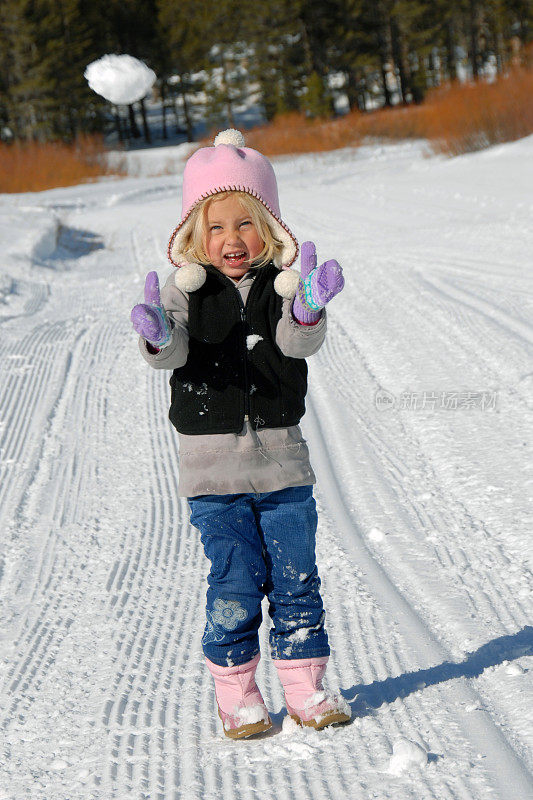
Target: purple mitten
(149, 318)
(316, 287)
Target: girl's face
(232, 238)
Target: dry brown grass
(293, 133)
(457, 118)
(462, 118)
(35, 166)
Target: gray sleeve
(176, 304)
(299, 341)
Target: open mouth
(235, 259)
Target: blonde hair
(195, 233)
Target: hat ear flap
(190, 277)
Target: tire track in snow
(480, 338)
(511, 777)
(482, 331)
(31, 402)
(23, 411)
(147, 250)
(169, 618)
(442, 513)
(482, 347)
(495, 315)
(49, 581)
(39, 638)
(343, 348)
(380, 653)
(86, 392)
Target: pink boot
(240, 705)
(307, 701)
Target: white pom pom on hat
(286, 283)
(230, 166)
(231, 136)
(190, 277)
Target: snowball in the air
(120, 79)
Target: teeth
(234, 255)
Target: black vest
(230, 372)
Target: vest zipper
(245, 357)
(244, 319)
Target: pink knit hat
(230, 166)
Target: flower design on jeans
(228, 613)
(225, 614)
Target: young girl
(235, 325)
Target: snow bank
(30, 232)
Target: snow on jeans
(261, 544)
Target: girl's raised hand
(317, 285)
(150, 318)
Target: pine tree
(22, 73)
(355, 49)
(18, 69)
(316, 99)
(185, 40)
(318, 24)
(226, 29)
(46, 46)
(412, 33)
(65, 46)
(277, 61)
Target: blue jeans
(261, 544)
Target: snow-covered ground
(419, 422)
(145, 163)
